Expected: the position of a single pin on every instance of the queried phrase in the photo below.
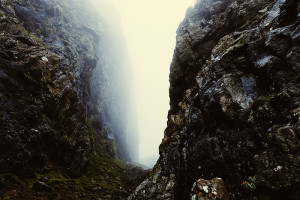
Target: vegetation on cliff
(233, 126)
(59, 137)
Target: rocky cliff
(233, 126)
(62, 134)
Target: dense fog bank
(111, 104)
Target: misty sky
(150, 28)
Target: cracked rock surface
(61, 134)
(234, 104)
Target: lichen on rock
(234, 99)
(50, 52)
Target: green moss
(1, 15)
(120, 163)
(14, 179)
(30, 184)
(240, 40)
(255, 20)
(261, 101)
(267, 98)
(37, 39)
(89, 122)
(5, 197)
(104, 177)
(21, 28)
(46, 118)
(102, 163)
(96, 165)
(251, 114)
(94, 133)
(66, 138)
(55, 176)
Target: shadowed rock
(234, 95)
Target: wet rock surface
(234, 98)
(42, 88)
(57, 139)
(209, 189)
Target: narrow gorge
(68, 126)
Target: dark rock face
(42, 89)
(234, 98)
(48, 53)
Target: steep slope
(61, 133)
(233, 126)
(42, 87)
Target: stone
(209, 189)
(45, 59)
(57, 105)
(239, 62)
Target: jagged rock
(48, 86)
(209, 189)
(234, 103)
(61, 130)
(41, 97)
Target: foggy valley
(149, 100)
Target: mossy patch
(172, 129)
(241, 39)
(66, 138)
(105, 178)
(46, 118)
(14, 179)
(35, 38)
(89, 122)
(39, 40)
(21, 28)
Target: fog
(149, 29)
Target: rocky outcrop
(45, 73)
(57, 117)
(234, 97)
(209, 189)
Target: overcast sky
(150, 28)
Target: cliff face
(45, 71)
(233, 126)
(58, 119)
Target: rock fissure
(233, 124)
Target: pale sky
(150, 28)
